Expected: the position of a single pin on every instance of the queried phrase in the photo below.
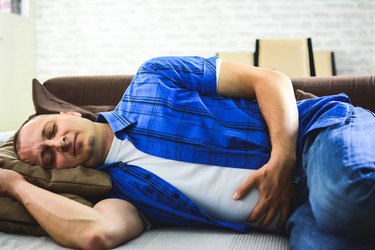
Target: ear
(71, 113)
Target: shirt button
(176, 196)
(121, 164)
(147, 176)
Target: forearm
(274, 93)
(278, 106)
(66, 221)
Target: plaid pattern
(171, 110)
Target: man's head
(63, 141)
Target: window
(12, 6)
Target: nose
(61, 144)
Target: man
(184, 125)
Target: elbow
(96, 240)
(278, 74)
(106, 237)
(282, 78)
(273, 79)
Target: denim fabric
(339, 209)
(305, 234)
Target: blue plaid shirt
(172, 110)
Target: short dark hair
(16, 139)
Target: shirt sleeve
(193, 73)
(218, 66)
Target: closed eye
(51, 131)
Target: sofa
(92, 94)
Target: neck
(109, 135)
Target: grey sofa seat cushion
(165, 239)
(205, 239)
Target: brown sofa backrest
(89, 90)
(360, 89)
(108, 90)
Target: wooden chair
(324, 63)
(293, 56)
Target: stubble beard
(91, 155)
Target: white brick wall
(115, 36)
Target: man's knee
(347, 206)
(341, 181)
(306, 234)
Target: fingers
(284, 213)
(268, 218)
(258, 211)
(245, 187)
(267, 209)
(268, 214)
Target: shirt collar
(117, 122)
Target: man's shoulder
(176, 62)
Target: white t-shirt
(210, 187)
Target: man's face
(61, 141)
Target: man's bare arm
(110, 223)
(274, 92)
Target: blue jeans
(336, 207)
